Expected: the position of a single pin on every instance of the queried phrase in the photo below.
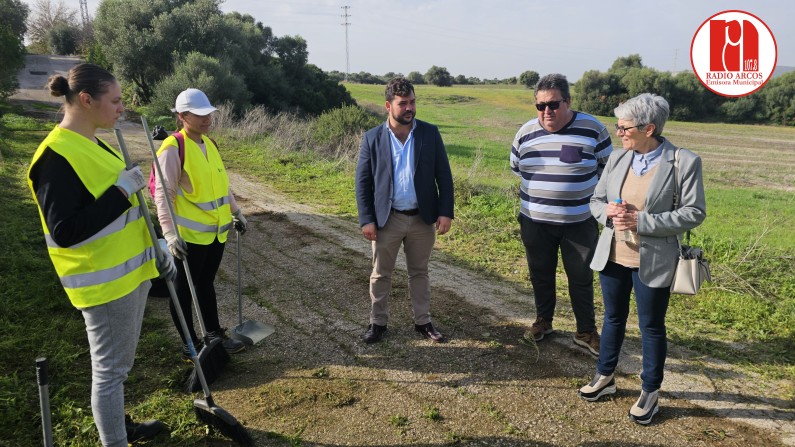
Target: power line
(347, 53)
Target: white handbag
(692, 268)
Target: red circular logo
(733, 53)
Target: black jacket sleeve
(70, 210)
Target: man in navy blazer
(404, 193)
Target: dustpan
(249, 332)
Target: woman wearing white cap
(205, 210)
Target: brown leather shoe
(374, 333)
(428, 331)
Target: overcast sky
(502, 38)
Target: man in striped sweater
(559, 155)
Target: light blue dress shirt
(641, 163)
(404, 197)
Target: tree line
(435, 75)
(600, 92)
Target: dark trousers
(576, 243)
(203, 262)
(652, 304)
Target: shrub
(206, 74)
(339, 131)
(63, 38)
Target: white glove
(165, 262)
(176, 245)
(131, 180)
(240, 221)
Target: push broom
(206, 411)
(213, 357)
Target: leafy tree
(529, 78)
(439, 76)
(779, 98)
(625, 63)
(141, 37)
(461, 80)
(63, 39)
(388, 76)
(97, 57)
(12, 50)
(292, 53)
(205, 73)
(598, 93)
(416, 78)
(46, 16)
(691, 101)
(742, 110)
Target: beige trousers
(417, 239)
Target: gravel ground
(314, 382)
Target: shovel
(249, 332)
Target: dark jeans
(652, 304)
(576, 243)
(203, 262)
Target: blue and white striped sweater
(559, 170)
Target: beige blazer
(659, 224)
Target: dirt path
(314, 382)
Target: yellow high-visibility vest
(204, 213)
(116, 260)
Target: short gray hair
(554, 81)
(646, 108)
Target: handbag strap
(677, 191)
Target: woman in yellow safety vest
(205, 209)
(98, 240)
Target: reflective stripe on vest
(117, 259)
(110, 274)
(211, 205)
(203, 214)
(117, 225)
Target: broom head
(213, 358)
(219, 419)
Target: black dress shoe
(428, 331)
(374, 333)
(143, 431)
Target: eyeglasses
(553, 105)
(623, 129)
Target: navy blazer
(433, 180)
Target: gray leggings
(113, 330)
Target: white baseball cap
(194, 101)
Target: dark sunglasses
(553, 105)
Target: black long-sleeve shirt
(70, 210)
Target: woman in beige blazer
(638, 248)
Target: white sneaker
(599, 386)
(645, 408)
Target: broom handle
(184, 326)
(43, 379)
(173, 215)
(239, 293)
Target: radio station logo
(733, 53)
